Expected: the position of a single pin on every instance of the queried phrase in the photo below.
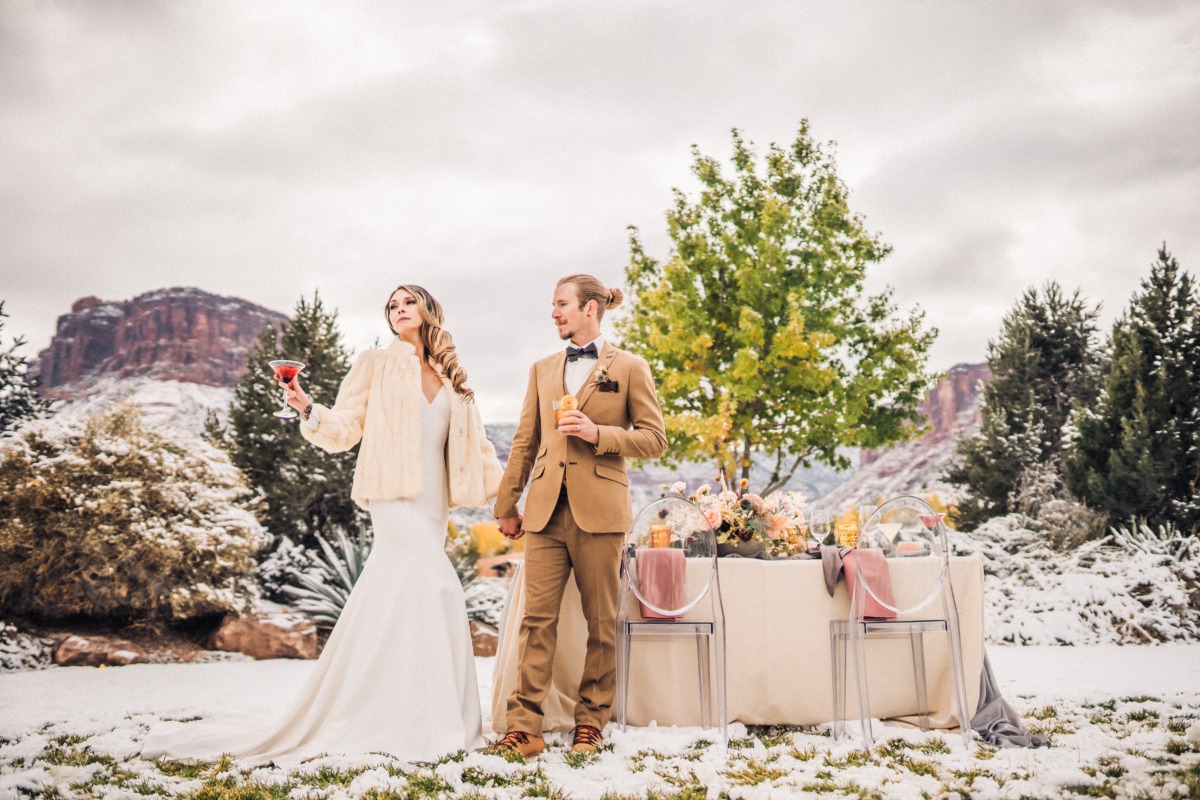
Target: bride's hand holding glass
(287, 373)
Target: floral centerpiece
(747, 524)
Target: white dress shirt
(577, 372)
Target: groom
(578, 506)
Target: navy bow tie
(574, 353)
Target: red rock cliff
(943, 409)
(180, 334)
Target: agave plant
(323, 591)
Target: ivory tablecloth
(777, 617)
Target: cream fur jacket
(377, 405)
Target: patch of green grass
(825, 786)
(807, 754)
(179, 769)
(251, 790)
(327, 776)
(690, 793)
(855, 758)
(968, 777)
(918, 766)
(427, 785)
(1045, 712)
(753, 773)
(680, 777)
(543, 788)
(1178, 724)
(1142, 715)
(74, 757)
(1141, 698)
(933, 747)
(1110, 766)
(1178, 747)
(577, 758)
(1050, 730)
(1097, 790)
(480, 777)
(144, 788)
(985, 751)
(637, 763)
(511, 756)
(773, 735)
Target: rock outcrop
(178, 334)
(943, 407)
(277, 634)
(96, 651)
(951, 409)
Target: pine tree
(1137, 449)
(1044, 359)
(19, 400)
(306, 491)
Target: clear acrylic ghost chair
(669, 567)
(906, 527)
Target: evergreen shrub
(113, 518)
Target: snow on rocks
(96, 651)
(271, 634)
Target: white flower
(679, 487)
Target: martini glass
(931, 521)
(285, 371)
(890, 530)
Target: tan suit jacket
(631, 426)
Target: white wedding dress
(397, 675)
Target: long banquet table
(777, 616)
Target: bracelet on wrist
(307, 411)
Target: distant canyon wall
(179, 334)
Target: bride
(397, 675)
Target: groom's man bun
(589, 287)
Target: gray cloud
(274, 149)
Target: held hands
(510, 527)
(574, 423)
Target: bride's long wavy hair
(439, 346)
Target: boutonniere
(603, 383)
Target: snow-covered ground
(1124, 721)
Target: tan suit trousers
(550, 555)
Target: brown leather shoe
(527, 745)
(587, 739)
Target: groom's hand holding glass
(575, 423)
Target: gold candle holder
(660, 535)
(847, 535)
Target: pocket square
(609, 386)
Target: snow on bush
(486, 598)
(111, 517)
(1131, 587)
(20, 650)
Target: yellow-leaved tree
(756, 324)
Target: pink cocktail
(286, 371)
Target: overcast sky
(269, 149)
